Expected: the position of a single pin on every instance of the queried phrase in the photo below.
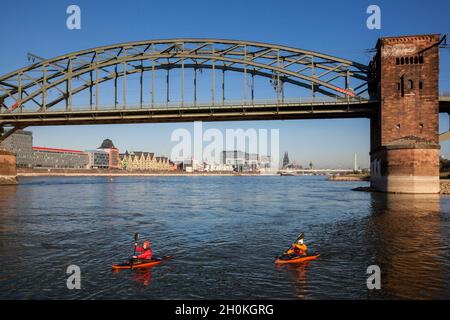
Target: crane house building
(113, 154)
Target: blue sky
(333, 27)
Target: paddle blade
(136, 237)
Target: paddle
(136, 238)
(284, 253)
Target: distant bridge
(314, 171)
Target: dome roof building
(107, 144)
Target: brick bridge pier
(404, 132)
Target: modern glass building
(44, 157)
(20, 143)
(243, 161)
(98, 159)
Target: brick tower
(404, 132)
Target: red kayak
(141, 263)
(298, 259)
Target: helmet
(146, 244)
(301, 238)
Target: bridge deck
(444, 104)
(134, 114)
(268, 110)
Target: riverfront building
(113, 154)
(21, 144)
(218, 167)
(193, 165)
(265, 162)
(143, 161)
(104, 157)
(44, 157)
(98, 159)
(234, 158)
(243, 161)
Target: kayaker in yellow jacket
(298, 247)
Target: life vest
(298, 248)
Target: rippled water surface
(223, 233)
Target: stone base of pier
(8, 169)
(408, 168)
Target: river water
(223, 234)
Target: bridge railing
(180, 105)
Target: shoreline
(129, 174)
(348, 178)
(444, 186)
(444, 183)
(28, 175)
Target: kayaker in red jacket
(145, 249)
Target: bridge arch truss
(318, 72)
(50, 85)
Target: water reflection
(142, 276)
(298, 274)
(7, 200)
(409, 245)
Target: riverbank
(349, 177)
(445, 186)
(118, 173)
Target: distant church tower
(285, 160)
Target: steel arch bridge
(43, 93)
